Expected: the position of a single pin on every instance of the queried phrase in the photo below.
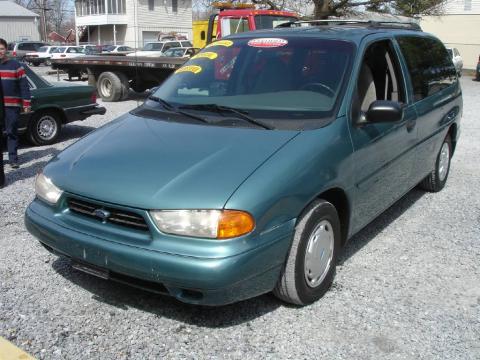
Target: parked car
(21, 48)
(477, 72)
(457, 59)
(62, 52)
(154, 49)
(54, 106)
(41, 56)
(187, 52)
(118, 50)
(91, 49)
(251, 166)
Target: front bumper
(197, 280)
(83, 112)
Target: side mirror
(381, 111)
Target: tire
(48, 62)
(44, 127)
(35, 63)
(301, 282)
(124, 84)
(109, 87)
(437, 178)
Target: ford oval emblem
(102, 214)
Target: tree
(322, 9)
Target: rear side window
(429, 64)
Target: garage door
(149, 36)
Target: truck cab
(234, 19)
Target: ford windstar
(248, 170)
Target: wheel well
(453, 136)
(338, 198)
(58, 111)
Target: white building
(131, 22)
(18, 23)
(459, 27)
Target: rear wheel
(125, 85)
(310, 267)
(48, 62)
(437, 178)
(109, 86)
(44, 127)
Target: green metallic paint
(138, 164)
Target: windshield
(271, 21)
(275, 78)
(43, 49)
(174, 52)
(153, 46)
(59, 50)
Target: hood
(155, 164)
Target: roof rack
(373, 24)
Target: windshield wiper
(172, 108)
(221, 109)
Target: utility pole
(43, 22)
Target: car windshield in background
(174, 52)
(270, 21)
(59, 50)
(43, 49)
(153, 46)
(286, 80)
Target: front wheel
(436, 180)
(44, 128)
(310, 266)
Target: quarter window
(429, 64)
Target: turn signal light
(233, 223)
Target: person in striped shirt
(16, 96)
(2, 113)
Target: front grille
(115, 216)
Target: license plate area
(91, 269)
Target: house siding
(457, 31)
(144, 24)
(19, 28)
(459, 7)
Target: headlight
(45, 189)
(212, 224)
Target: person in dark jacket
(16, 96)
(2, 114)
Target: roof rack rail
(375, 24)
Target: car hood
(156, 164)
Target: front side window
(234, 25)
(59, 50)
(271, 21)
(288, 81)
(186, 44)
(429, 64)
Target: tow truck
(113, 76)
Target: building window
(467, 5)
(175, 6)
(151, 5)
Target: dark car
(250, 167)
(477, 72)
(54, 106)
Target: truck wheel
(44, 127)
(310, 266)
(109, 86)
(125, 85)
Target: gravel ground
(407, 286)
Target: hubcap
(444, 161)
(106, 87)
(47, 127)
(319, 254)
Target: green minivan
(248, 169)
